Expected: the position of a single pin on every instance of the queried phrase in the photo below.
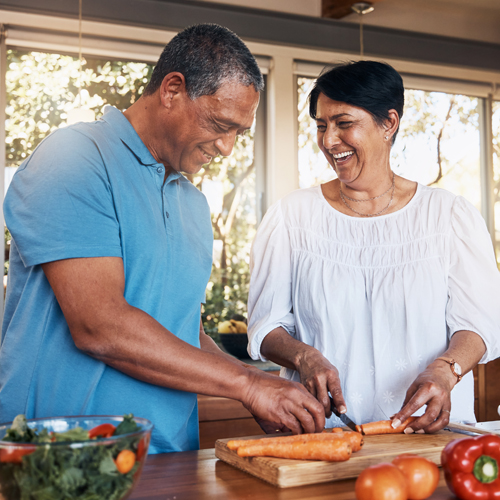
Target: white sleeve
(270, 297)
(474, 279)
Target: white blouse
(379, 297)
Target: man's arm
(104, 326)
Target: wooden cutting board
(285, 473)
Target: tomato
(141, 449)
(15, 455)
(125, 461)
(421, 474)
(103, 430)
(381, 482)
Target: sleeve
(270, 294)
(60, 205)
(473, 279)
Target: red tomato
(421, 474)
(103, 430)
(141, 449)
(15, 455)
(381, 482)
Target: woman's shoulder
(443, 200)
(300, 200)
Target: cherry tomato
(125, 461)
(103, 430)
(381, 482)
(421, 474)
(141, 449)
(15, 455)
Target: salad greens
(66, 471)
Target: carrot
(337, 450)
(334, 430)
(355, 439)
(125, 461)
(385, 427)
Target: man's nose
(225, 143)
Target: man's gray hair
(208, 55)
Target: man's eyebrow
(334, 117)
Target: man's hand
(432, 388)
(286, 405)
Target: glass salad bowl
(84, 457)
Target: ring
(447, 411)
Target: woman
(373, 288)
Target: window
(230, 187)
(438, 143)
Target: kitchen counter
(193, 475)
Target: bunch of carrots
(328, 446)
(334, 446)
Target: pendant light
(362, 8)
(80, 113)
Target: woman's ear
(172, 87)
(391, 124)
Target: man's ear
(172, 87)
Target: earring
(386, 137)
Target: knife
(345, 419)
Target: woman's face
(351, 140)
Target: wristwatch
(456, 369)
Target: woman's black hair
(376, 87)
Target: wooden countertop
(193, 475)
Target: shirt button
(160, 170)
(167, 214)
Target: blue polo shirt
(95, 190)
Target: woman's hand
(432, 388)
(317, 374)
(320, 377)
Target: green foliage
(43, 87)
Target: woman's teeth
(343, 155)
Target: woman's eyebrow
(333, 117)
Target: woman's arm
(317, 374)
(434, 385)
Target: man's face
(206, 127)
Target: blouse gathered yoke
(380, 297)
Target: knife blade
(345, 419)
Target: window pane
(42, 88)
(313, 167)
(438, 143)
(496, 175)
(230, 187)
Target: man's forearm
(138, 345)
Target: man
(112, 251)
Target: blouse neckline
(386, 216)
